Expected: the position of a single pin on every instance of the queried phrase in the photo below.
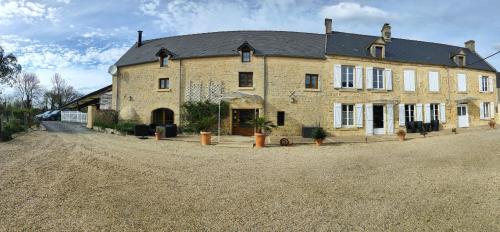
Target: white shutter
(433, 81)
(337, 76)
(409, 80)
(418, 112)
(480, 84)
(388, 79)
(337, 115)
(492, 110)
(390, 118)
(369, 77)
(359, 77)
(462, 82)
(481, 110)
(442, 112)
(359, 115)
(369, 119)
(490, 84)
(427, 118)
(402, 114)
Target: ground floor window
(486, 110)
(409, 113)
(281, 118)
(434, 111)
(347, 115)
(162, 116)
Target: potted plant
(401, 135)
(262, 125)
(205, 126)
(159, 132)
(492, 123)
(318, 134)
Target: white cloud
(354, 11)
(26, 11)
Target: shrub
(262, 124)
(126, 127)
(5, 135)
(14, 126)
(202, 116)
(318, 133)
(106, 118)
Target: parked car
(43, 115)
(53, 116)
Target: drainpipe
(180, 92)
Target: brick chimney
(471, 45)
(386, 32)
(139, 38)
(328, 26)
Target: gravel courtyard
(93, 181)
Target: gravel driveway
(93, 181)
(64, 127)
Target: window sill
(434, 92)
(347, 89)
(410, 92)
(380, 90)
(163, 90)
(312, 90)
(462, 92)
(246, 88)
(350, 128)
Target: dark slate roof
(272, 43)
(297, 44)
(402, 50)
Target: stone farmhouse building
(349, 84)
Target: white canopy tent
(243, 97)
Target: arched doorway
(162, 116)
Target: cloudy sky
(81, 38)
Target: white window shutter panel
(369, 77)
(406, 81)
(359, 115)
(418, 112)
(492, 110)
(427, 118)
(480, 84)
(413, 80)
(490, 84)
(390, 118)
(359, 77)
(337, 115)
(481, 110)
(337, 76)
(388, 79)
(436, 81)
(461, 82)
(402, 114)
(442, 112)
(369, 119)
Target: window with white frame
(484, 84)
(347, 76)
(434, 112)
(409, 80)
(164, 83)
(347, 115)
(434, 81)
(409, 113)
(461, 82)
(486, 110)
(378, 78)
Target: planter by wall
(205, 138)
(260, 140)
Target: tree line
(28, 92)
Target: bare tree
(27, 86)
(60, 94)
(9, 67)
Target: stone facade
(280, 82)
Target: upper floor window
(245, 79)
(484, 84)
(379, 51)
(378, 78)
(311, 81)
(461, 61)
(164, 83)
(245, 56)
(347, 79)
(461, 82)
(434, 81)
(409, 80)
(163, 61)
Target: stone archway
(162, 116)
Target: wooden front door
(242, 121)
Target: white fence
(73, 116)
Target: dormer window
(459, 58)
(461, 61)
(377, 48)
(246, 51)
(379, 51)
(163, 56)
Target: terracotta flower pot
(157, 136)
(205, 138)
(260, 140)
(318, 142)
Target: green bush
(202, 116)
(318, 133)
(14, 126)
(106, 118)
(5, 135)
(126, 126)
